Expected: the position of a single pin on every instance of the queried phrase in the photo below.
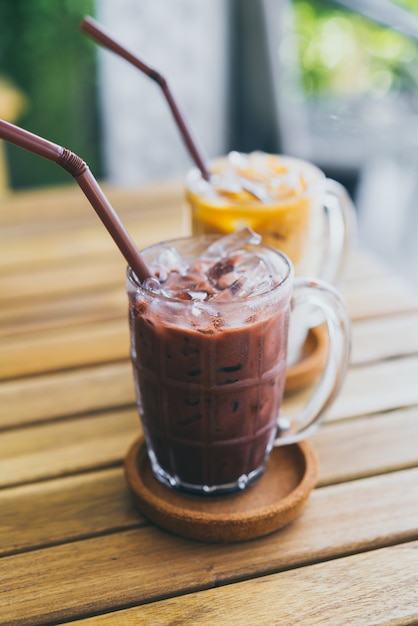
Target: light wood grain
(65, 509)
(64, 312)
(361, 264)
(37, 285)
(66, 447)
(136, 566)
(66, 203)
(356, 590)
(33, 245)
(383, 295)
(384, 338)
(55, 349)
(361, 447)
(60, 394)
(381, 386)
(41, 248)
(53, 247)
(367, 389)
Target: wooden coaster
(272, 502)
(312, 360)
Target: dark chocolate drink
(208, 347)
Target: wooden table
(73, 546)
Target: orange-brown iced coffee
(283, 199)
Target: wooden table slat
(384, 338)
(383, 295)
(65, 509)
(89, 240)
(79, 391)
(116, 570)
(367, 389)
(382, 386)
(55, 350)
(46, 285)
(380, 443)
(65, 447)
(66, 203)
(355, 590)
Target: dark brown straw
(85, 179)
(96, 32)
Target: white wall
(186, 41)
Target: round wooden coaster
(272, 502)
(311, 362)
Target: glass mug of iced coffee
(208, 348)
(290, 203)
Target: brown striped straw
(85, 179)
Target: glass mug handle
(324, 297)
(340, 217)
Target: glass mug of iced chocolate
(208, 348)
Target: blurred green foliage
(341, 52)
(45, 55)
